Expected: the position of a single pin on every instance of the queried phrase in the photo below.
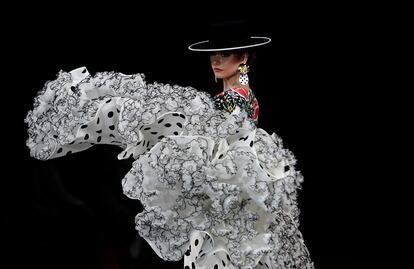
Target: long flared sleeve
(77, 111)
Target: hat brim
(206, 45)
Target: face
(225, 64)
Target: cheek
(227, 64)
(231, 68)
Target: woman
(232, 67)
(216, 189)
(231, 55)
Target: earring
(244, 69)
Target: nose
(215, 59)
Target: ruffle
(192, 183)
(66, 112)
(71, 114)
(54, 117)
(198, 171)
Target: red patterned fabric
(242, 97)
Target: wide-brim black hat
(230, 35)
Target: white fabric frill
(197, 170)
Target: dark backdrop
(314, 89)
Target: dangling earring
(243, 69)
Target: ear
(245, 57)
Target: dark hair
(251, 60)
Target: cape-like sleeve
(76, 111)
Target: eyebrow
(220, 53)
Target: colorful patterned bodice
(244, 98)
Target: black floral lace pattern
(197, 169)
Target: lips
(217, 69)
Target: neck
(233, 82)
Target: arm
(76, 111)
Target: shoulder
(244, 92)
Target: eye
(225, 54)
(221, 54)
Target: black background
(318, 88)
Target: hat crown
(230, 30)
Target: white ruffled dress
(216, 190)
